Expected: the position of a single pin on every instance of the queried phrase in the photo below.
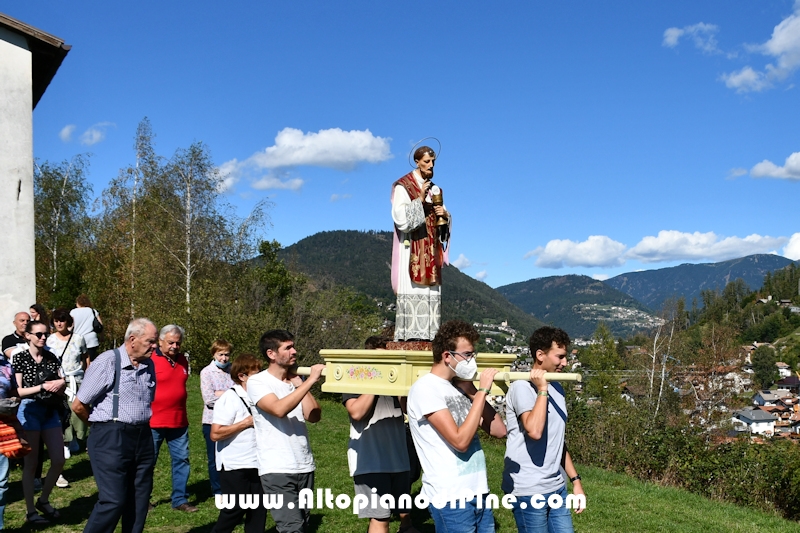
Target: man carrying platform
(536, 456)
(377, 454)
(284, 403)
(444, 416)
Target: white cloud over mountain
(671, 245)
(667, 246)
(462, 262)
(792, 248)
(596, 251)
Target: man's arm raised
(459, 437)
(282, 407)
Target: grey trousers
(289, 518)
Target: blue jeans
(544, 520)
(211, 454)
(3, 486)
(470, 519)
(178, 444)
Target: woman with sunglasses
(41, 386)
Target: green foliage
(766, 373)
(62, 230)
(666, 450)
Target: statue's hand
(439, 210)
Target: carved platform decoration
(392, 372)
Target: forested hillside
(362, 260)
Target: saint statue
(421, 231)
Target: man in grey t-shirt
(536, 417)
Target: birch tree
(61, 196)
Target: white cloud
(596, 251)
(671, 245)
(96, 133)
(66, 132)
(272, 182)
(481, 275)
(792, 248)
(229, 174)
(736, 172)
(702, 34)
(783, 46)
(332, 148)
(789, 171)
(600, 277)
(337, 197)
(462, 262)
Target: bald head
(21, 322)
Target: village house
(755, 421)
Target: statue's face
(425, 166)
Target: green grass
(615, 502)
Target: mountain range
(577, 303)
(653, 287)
(361, 260)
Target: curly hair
(543, 339)
(447, 337)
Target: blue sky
(578, 137)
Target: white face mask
(465, 369)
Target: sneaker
(37, 484)
(67, 453)
(62, 482)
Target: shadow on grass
(201, 490)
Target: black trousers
(122, 463)
(243, 481)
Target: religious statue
(421, 233)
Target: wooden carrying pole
(392, 372)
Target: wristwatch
(576, 478)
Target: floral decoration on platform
(364, 372)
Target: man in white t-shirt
(536, 456)
(444, 415)
(284, 402)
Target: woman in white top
(232, 430)
(84, 316)
(70, 348)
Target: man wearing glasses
(444, 414)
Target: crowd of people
(254, 423)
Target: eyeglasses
(466, 356)
(40, 334)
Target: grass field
(616, 503)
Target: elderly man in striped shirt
(120, 443)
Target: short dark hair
(62, 315)
(376, 342)
(543, 339)
(420, 152)
(244, 364)
(272, 340)
(447, 337)
(83, 300)
(31, 323)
